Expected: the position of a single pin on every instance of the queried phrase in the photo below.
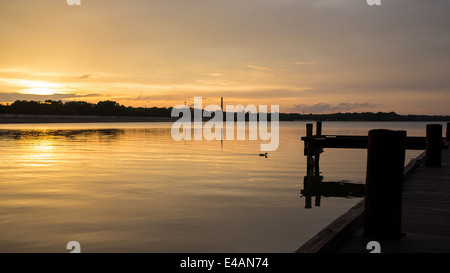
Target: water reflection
(313, 184)
(81, 135)
(135, 189)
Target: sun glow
(40, 87)
(35, 87)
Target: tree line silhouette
(364, 116)
(112, 108)
(102, 108)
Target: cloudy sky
(305, 55)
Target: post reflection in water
(313, 184)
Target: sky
(312, 56)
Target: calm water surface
(129, 187)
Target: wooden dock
(425, 206)
(425, 215)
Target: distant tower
(221, 103)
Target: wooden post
(307, 188)
(316, 165)
(384, 181)
(447, 137)
(434, 145)
(319, 128)
(309, 129)
(317, 200)
(308, 149)
(317, 154)
(308, 142)
(308, 202)
(309, 164)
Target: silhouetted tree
(107, 108)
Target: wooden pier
(424, 205)
(425, 215)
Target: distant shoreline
(110, 111)
(11, 119)
(21, 119)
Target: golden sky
(314, 56)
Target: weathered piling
(447, 136)
(434, 145)
(308, 150)
(317, 156)
(384, 181)
(309, 129)
(319, 128)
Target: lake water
(129, 187)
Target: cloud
(12, 73)
(323, 107)
(214, 82)
(347, 106)
(305, 63)
(215, 74)
(257, 67)
(85, 76)
(76, 77)
(11, 97)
